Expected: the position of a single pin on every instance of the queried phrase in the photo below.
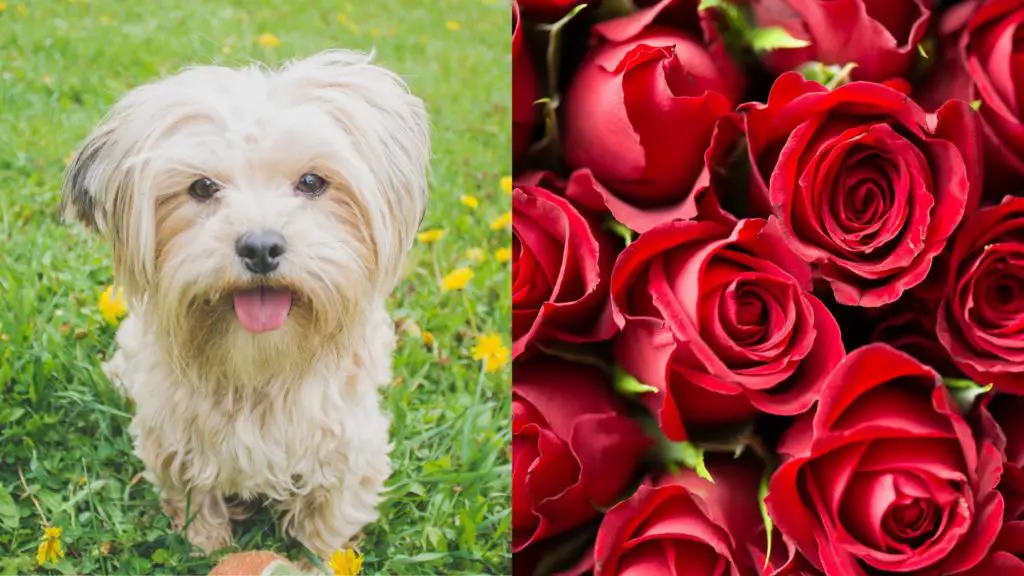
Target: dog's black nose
(260, 251)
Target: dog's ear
(391, 130)
(79, 197)
(98, 192)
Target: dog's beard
(208, 344)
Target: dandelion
(470, 201)
(268, 40)
(105, 548)
(506, 184)
(112, 305)
(452, 26)
(457, 279)
(428, 236)
(342, 19)
(503, 255)
(3, 6)
(22, 10)
(50, 550)
(428, 338)
(475, 254)
(501, 221)
(492, 351)
(346, 563)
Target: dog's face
(257, 210)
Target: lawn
(65, 454)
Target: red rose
(864, 185)
(879, 36)
(524, 88)
(685, 525)
(551, 10)
(887, 475)
(642, 85)
(1007, 555)
(718, 317)
(980, 317)
(561, 263)
(573, 449)
(992, 52)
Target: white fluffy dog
(259, 219)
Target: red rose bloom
(992, 51)
(573, 449)
(717, 316)
(981, 316)
(643, 85)
(886, 475)
(561, 263)
(684, 525)
(1007, 555)
(524, 88)
(879, 36)
(864, 185)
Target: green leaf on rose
(769, 525)
(774, 38)
(627, 384)
(921, 50)
(831, 76)
(708, 4)
(976, 105)
(689, 456)
(619, 229)
(965, 392)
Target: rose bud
(574, 450)
(644, 84)
(561, 265)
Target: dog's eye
(203, 189)
(311, 184)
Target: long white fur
(291, 415)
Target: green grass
(62, 64)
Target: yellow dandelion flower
(342, 18)
(346, 563)
(428, 338)
(501, 221)
(268, 40)
(3, 6)
(353, 28)
(375, 32)
(492, 351)
(506, 184)
(457, 279)
(22, 10)
(428, 236)
(470, 201)
(105, 548)
(50, 550)
(475, 254)
(452, 26)
(112, 305)
(503, 255)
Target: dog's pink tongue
(262, 309)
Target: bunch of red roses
(768, 287)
